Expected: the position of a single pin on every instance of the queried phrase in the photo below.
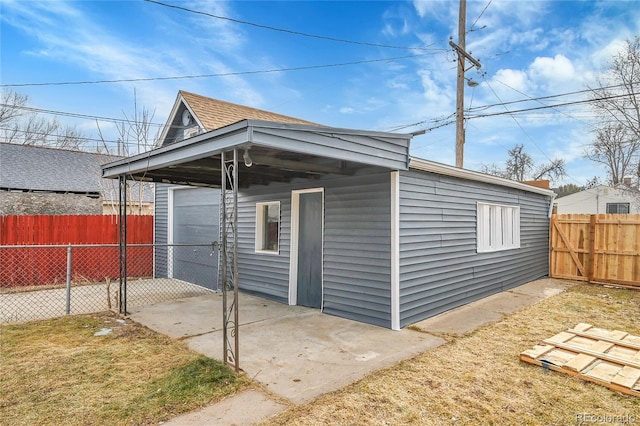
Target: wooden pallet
(608, 357)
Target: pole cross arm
(461, 51)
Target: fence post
(592, 247)
(68, 279)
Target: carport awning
(278, 153)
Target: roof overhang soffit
(278, 153)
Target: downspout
(553, 198)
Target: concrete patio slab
(505, 302)
(203, 314)
(467, 318)
(544, 288)
(299, 353)
(300, 357)
(296, 352)
(458, 321)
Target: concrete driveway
(295, 352)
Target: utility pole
(463, 56)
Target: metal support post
(229, 258)
(122, 244)
(68, 279)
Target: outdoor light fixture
(471, 83)
(246, 158)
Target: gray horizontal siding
(439, 266)
(357, 251)
(264, 274)
(356, 261)
(160, 229)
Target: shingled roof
(211, 114)
(40, 169)
(214, 113)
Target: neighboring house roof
(211, 114)
(40, 169)
(594, 200)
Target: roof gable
(211, 114)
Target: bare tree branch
(617, 134)
(11, 108)
(519, 166)
(615, 148)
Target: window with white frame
(268, 227)
(618, 208)
(498, 227)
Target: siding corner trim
(395, 250)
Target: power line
(517, 122)
(479, 16)
(503, 104)
(525, 132)
(80, 139)
(74, 115)
(226, 74)
(438, 122)
(541, 98)
(547, 106)
(443, 121)
(282, 30)
(536, 100)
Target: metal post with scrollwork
(229, 258)
(122, 242)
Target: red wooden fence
(43, 266)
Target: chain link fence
(38, 282)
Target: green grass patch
(59, 372)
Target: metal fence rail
(47, 281)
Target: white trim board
(293, 249)
(395, 251)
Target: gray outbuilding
(346, 221)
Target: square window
(618, 208)
(498, 227)
(268, 227)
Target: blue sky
(528, 49)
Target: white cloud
(435, 9)
(433, 90)
(602, 57)
(397, 84)
(556, 68)
(555, 74)
(515, 79)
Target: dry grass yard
(478, 379)
(57, 372)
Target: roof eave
(199, 146)
(444, 169)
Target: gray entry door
(310, 250)
(196, 220)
